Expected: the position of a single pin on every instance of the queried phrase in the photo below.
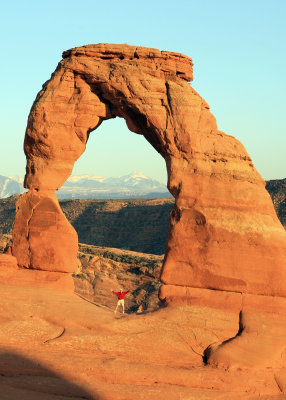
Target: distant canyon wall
(137, 225)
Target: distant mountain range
(10, 185)
(134, 224)
(134, 185)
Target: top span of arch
(167, 61)
(147, 87)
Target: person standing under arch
(120, 295)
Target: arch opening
(123, 168)
(125, 231)
(112, 149)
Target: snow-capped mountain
(135, 184)
(10, 185)
(87, 186)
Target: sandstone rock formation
(43, 238)
(7, 261)
(224, 233)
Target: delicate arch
(224, 233)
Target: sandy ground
(56, 345)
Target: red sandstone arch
(224, 233)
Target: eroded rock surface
(43, 238)
(156, 356)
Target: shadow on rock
(211, 349)
(26, 379)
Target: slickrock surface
(7, 261)
(56, 346)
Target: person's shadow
(26, 379)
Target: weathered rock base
(43, 239)
(11, 274)
(7, 262)
(55, 345)
(37, 279)
(260, 338)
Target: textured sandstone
(52, 341)
(260, 340)
(43, 238)
(7, 261)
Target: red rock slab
(43, 239)
(260, 339)
(37, 279)
(147, 356)
(260, 343)
(7, 261)
(227, 301)
(280, 377)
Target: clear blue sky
(239, 54)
